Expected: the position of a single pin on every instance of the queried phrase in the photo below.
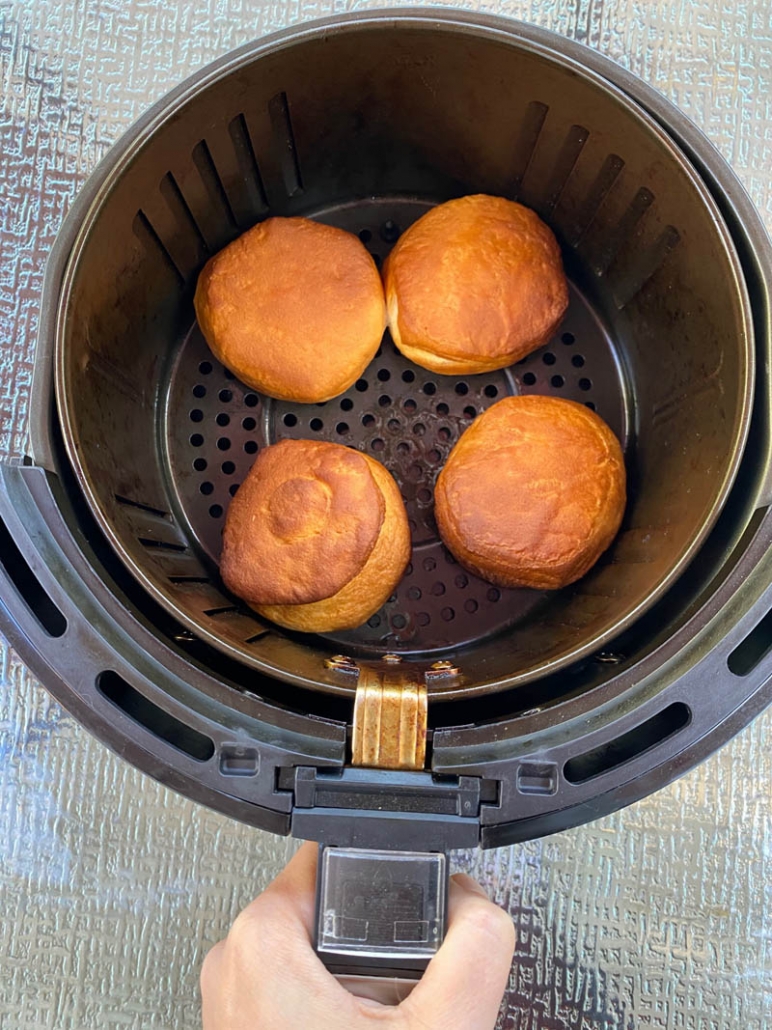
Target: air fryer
(460, 714)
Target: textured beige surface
(111, 887)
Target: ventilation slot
(162, 545)
(756, 646)
(564, 165)
(629, 746)
(533, 121)
(28, 585)
(597, 193)
(154, 719)
(151, 241)
(143, 507)
(225, 610)
(624, 230)
(278, 111)
(205, 166)
(251, 181)
(257, 636)
(181, 213)
(643, 266)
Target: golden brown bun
(474, 285)
(533, 493)
(316, 539)
(294, 308)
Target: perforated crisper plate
(403, 415)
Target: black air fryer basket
(544, 710)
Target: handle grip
(380, 917)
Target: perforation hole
(442, 408)
(250, 447)
(491, 390)
(223, 419)
(429, 564)
(438, 589)
(419, 429)
(229, 374)
(549, 358)
(384, 400)
(590, 405)
(316, 424)
(233, 489)
(368, 420)
(226, 396)
(223, 444)
(378, 444)
(462, 389)
(346, 404)
(528, 379)
(585, 384)
(577, 360)
(341, 428)
(444, 434)
(199, 390)
(470, 412)
(470, 605)
(251, 400)
(196, 440)
(493, 594)
(403, 447)
(399, 621)
(408, 376)
(374, 621)
(423, 618)
(228, 468)
(389, 231)
(249, 423)
(394, 425)
(434, 455)
(206, 489)
(215, 511)
(568, 338)
(461, 581)
(384, 375)
(430, 389)
(409, 404)
(205, 368)
(365, 235)
(290, 419)
(557, 381)
(448, 614)
(424, 495)
(200, 464)
(414, 593)
(196, 415)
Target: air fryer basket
(366, 127)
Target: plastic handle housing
(380, 917)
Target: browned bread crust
(533, 493)
(294, 308)
(316, 539)
(474, 285)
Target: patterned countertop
(111, 886)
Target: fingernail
(470, 885)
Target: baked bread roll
(474, 285)
(294, 308)
(533, 493)
(316, 538)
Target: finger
(465, 981)
(294, 889)
(210, 982)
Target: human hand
(266, 975)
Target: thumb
(464, 983)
